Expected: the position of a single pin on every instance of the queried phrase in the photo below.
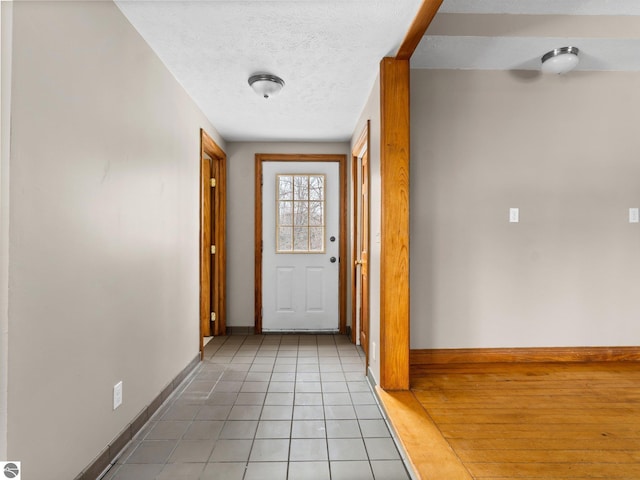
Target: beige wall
(371, 112)
(241, 218)
(6, 20)
(565, 151)
(103, 241)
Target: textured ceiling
(328, 51)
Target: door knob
(358, 262)
(332, 259)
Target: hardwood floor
(523, 421)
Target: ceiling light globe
(266, 85)
(560, 60)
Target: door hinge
(213, 249)
(213, 316)
(213, 182)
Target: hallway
(274, 407)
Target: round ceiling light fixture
(560, 60)
(265, 84)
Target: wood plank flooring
(534, 421)
(429, 453)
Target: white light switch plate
(514, 215)
(634, 215)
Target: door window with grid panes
(300, 218)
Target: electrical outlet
(117, 395)
(634, 215)
(373, 351)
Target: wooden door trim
(342, 275)
(216, 237)
(360, 146)
(394, 253)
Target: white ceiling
(328, 51)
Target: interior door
(362, 262)
(212, 239)
(214, 294)
(207, 261)
(300, 251)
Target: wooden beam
(423, 19)
(394, 255)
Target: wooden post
(394, 261)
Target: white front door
(300, 253)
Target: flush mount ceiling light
(265, 84)
(560, 60)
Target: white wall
(565, 151)
(371, 111)
(103, 245)
(241, 219)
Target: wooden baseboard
(523, 355)
(108, 456)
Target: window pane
(301, 187)
(316, 213)
(301, 239)
(286, 213)
(316, 187)
(316, 239)
(301, 213)
(284, 239)
(285, 187)
(300, 217)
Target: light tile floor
(271, 407)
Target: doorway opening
(360, 246)
(295, 267)
(213, 217)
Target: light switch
(634, 215)
(514, 215)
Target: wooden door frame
(342, 275)
(212, 236)
(360, 146)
